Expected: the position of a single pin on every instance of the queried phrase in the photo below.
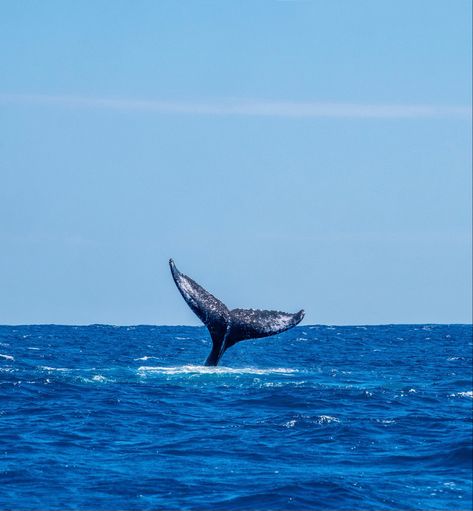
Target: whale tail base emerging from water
(227, 327)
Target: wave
(59, 369)
(297, 494)
(98, 378)
(320, 419)
(194, 369)
(468, 393)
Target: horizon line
(249, 108)
(203, 326)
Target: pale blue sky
(286, 154)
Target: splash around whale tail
(227, 327)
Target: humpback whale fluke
(227, 327)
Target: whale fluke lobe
(229, 327)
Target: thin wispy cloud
(251, 108)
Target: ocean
(320, 417)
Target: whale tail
(227, 327)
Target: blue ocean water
(320, 417)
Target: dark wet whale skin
(227, 327)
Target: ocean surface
(320, 417)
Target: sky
(287, 154)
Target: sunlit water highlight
(104, 417)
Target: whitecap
(468, 393)
(326, 419)
(193, 369)
(290, 424)
(99, 377)
(31, 348)
(47, 368)
(96, 378)
(145, 358)
(7, 357)
(68, 369)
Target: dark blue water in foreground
(103, 417)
